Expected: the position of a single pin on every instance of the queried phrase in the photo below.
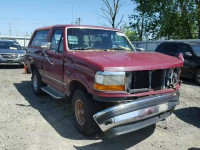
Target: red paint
(82, 66)
(128, 61)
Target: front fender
(83, 80)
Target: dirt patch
(31, 122)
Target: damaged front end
(137, 114)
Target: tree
(110, 12)
(144, 18)
(171, 19)
(131, 34)
(197, 2)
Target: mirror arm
(47, 58)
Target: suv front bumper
(4, 61)
(137, 114)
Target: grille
(9, 56)
(148, 80)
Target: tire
(37, 83)
(84, 107)
(197, 76)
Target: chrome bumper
(137, 114)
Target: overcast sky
(26, 15)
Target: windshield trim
(116, 30)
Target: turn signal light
(109, 87)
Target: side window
(39, 37)
(184, 48)
(61, 47)
(160, 48)
(56, 39)
(170, 48)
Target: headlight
(110, 81)
(173, 77)
(21, 55)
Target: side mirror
(45, 45)
(23, 48)
(188, 54)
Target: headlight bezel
(105, 75)
(22, 55)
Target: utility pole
(78, 21)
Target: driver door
(53, 66)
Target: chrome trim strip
(55, 79)
(108, 73)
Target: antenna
(10, 30)
(72, 13)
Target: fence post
(24, 42)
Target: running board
(53, 92)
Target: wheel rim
(35, 83)
(80, 112)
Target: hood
(127, 61)
(8, 51)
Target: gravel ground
(28, 122)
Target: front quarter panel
(77, 70)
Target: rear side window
(159, 48)
(39, 37)
(168, 48)
(184, 48)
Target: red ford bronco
(112, 87)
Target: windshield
(196, 49)
(96, 39)
(9, 45)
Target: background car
(11, 53)
(191, 53)
(139, 49)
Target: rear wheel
(84, 107)
(197, 76)
(36, 82)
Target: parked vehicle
(191, 53)
(11, 53)
(139, 49)
(112, 86)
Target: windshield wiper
(82, 48)
(113, 49)
(119, 48)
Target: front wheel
(84, 107)
(197, 76)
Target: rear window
(39, 37)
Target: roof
(8, 41)
(77, 26)
(190, 43)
